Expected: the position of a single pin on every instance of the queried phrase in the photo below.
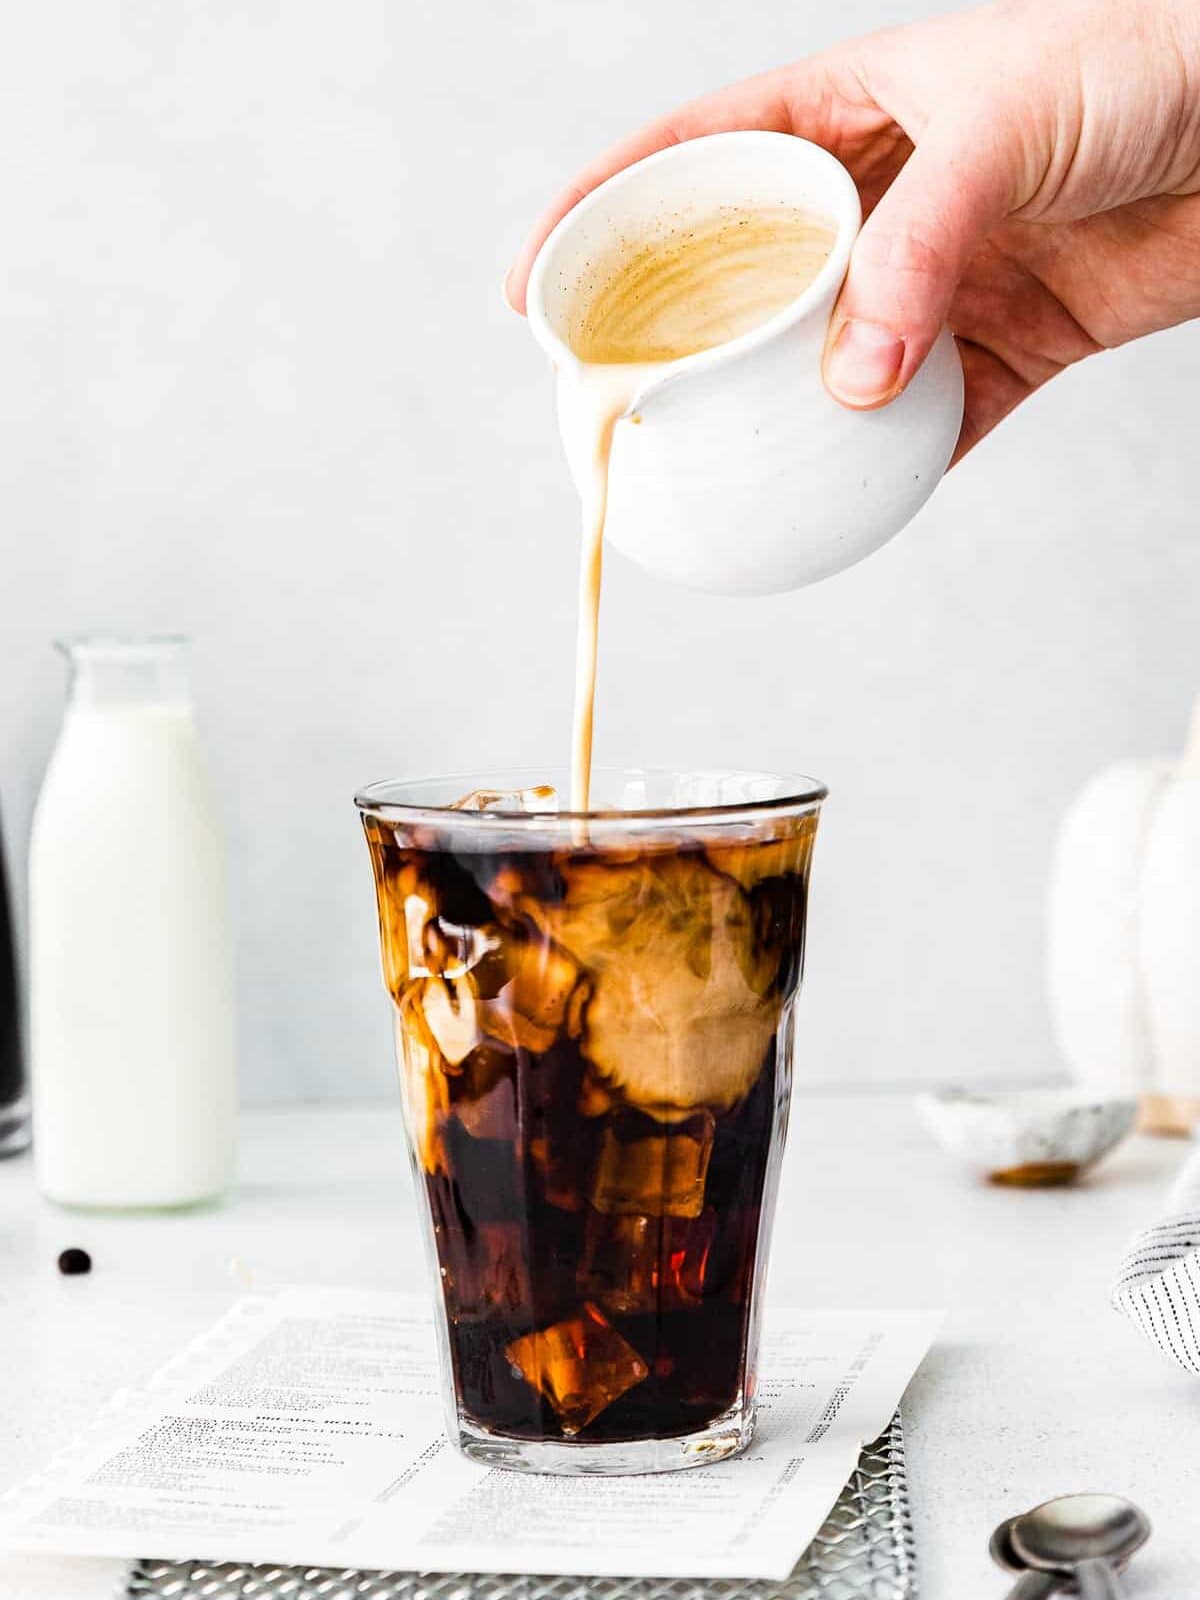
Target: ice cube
(541, 797)
(451, 1012)
(580, 1365)
(620, 1266)
(439, 948)
(560, 1146)
(682, 1007)
(487, 1181)
(425, 1089)
(490, 1271)
(484, 1096)
(535, 1005)
(398, 883)
(645, 1264)
(653, 1169)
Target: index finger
(785, 100)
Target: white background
(257, 383)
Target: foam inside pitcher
(659, 195)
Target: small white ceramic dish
(1027, 1137)
(745, 477)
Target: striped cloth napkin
(1158, 1285)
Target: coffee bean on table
(74, 1261)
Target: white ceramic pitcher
(744, 476)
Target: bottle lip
(124, 648)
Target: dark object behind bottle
(14, 1111)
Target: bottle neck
(127, 673)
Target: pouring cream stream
(697, 283)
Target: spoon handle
(1035, 1586)
(1097, 1580)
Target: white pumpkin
(1124, 934)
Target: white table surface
(1035, 1388)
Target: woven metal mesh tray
(864, 1551)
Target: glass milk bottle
(131, 1013)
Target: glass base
(724, 1437)
(14, 1126)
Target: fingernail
(863, 363)
(506, 290)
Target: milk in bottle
(131, 1032)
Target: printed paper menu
(306, 1429)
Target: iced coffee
(593, 1029)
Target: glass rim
(385, 800)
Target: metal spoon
(1081, 1536)
(1030, 1585)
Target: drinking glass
(593, 1018)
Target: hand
(1030, 174)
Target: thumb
(907, 262)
